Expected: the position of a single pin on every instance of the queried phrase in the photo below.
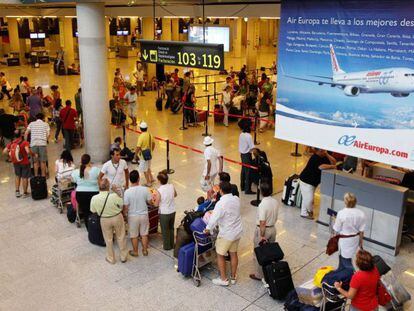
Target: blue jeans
(345, 263)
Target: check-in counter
(127, 51)
(383, 204)
(381, 171)
(13, 59)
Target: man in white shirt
(116, 171)
(131, 101)
(213, 161)
(39, 134)
(350, 222)
(266, 217)
(139, 77)
(226, 215)
(246, 146)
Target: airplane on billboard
(397, 81)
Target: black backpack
(70, 213)
(188, 219)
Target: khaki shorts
(138, 225)
(223, 246)
(41, 152)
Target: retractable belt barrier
(169, 142)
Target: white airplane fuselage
(398, 81)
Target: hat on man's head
(208, 140)
(143, 125)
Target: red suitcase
(201, 116)
(218, 113)
(153, 219)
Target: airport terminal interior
(48, 263)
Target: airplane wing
(331, 83)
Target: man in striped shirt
(39, 134)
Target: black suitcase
(381, 265)
(288, 188)
(279, 279)
(268, 253)
(38, 187)
(176, 106)
(95, 235)
(158, 104)
(235, 112)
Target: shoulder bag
(95, 235)
(332, 246)
(146, 153)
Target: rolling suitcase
(158, 104)
(278, 279)
(201, 116)
(186, 259)
(182, 238)
(381, 265)
(290, 183)
(218, 113)
(153, 220)
(198, 225)
(234, 114)
(95, 235)
(38, 187)
(176, 106)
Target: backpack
(188, 219)
(15, 153)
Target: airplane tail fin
(334, 61)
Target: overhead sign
(194, 55)
(346, 77)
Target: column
(264, 32)
(175, 29)
(14, 36)
(166, 29)
(94, 78)
(148, 34)
(107, 35)
(238, 37)
(253, 30)
(66, 33)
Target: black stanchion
(257, 201)
(206, 83)
(124, 135)
(296, 153)
(215, 91)
(255, 131)
(208, 110)
(169, 170)
(183, 127)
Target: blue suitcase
(186, 258)
(198, 225)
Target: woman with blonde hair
(350, 224)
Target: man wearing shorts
(145, 143)
(131, 101)
(226, 215)
(21, 164)
(136, 209)
(39, 134)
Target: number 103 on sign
(206, 60)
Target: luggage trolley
(204, 253)
(61, 193)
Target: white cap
(143, 125)
(208, 140)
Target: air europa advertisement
(346, 77)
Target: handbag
(383, 296)
(267, 253)
(146, 153)
(95, 234)
(332, 246)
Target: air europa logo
(347, 140)
(351, 141)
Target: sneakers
(26, 195)
(233, 280)
(220, 282)
(18, 195)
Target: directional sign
(186, 54)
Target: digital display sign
(194, 55)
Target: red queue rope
(230, 114)
(192, 149)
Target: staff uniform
(136, 198)
(111, 221)
(245, 146)
(212, 154)
(349, 221)
(266, 211)
(226, 215)
(167, 215)
(309, 180)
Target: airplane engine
(400, 94)
(351, 90)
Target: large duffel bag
(267, 253)
(95, 235)
(182, 238)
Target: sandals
(133, 254)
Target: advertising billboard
(346, 78)
(214, 35)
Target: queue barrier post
(215, 91)
(169, 170)
(257, 201)
(207, 114)
(255, 130)
(296, 153)
(183, 127)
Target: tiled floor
(48, 263)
